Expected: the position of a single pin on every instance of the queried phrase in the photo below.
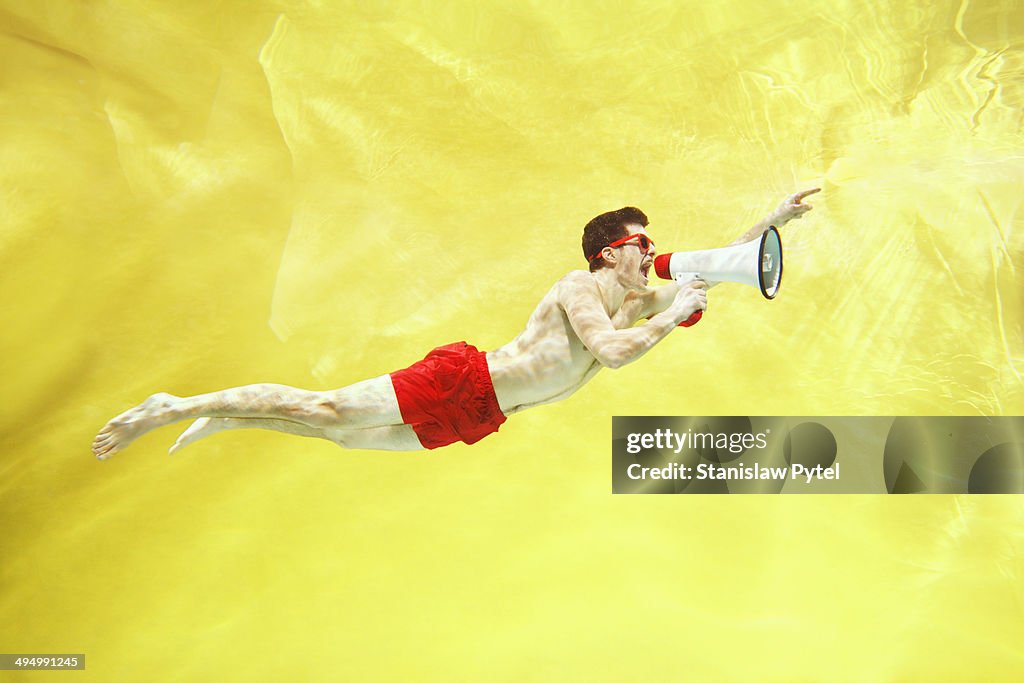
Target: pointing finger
(806, 193)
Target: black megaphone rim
(760, 260)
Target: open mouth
(645, 268)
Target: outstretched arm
(611, 347)
(657, 299)
(790, 208)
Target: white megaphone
(757, 263)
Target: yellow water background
(201, 195)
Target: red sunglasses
(642, 241)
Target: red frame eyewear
(643, 242)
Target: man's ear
(609, 256)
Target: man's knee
(340, 409)
(314, 408)
(371, 403)
(323, 409)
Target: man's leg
(391, 438)
(370, 403)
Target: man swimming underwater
(457, 393)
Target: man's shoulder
(574, 282)
(577, 277)
(573, 286)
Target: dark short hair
(605, 229)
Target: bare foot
(203, 427)
(155, 411)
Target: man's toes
(103, 437)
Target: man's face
(633, 266)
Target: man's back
(548, 361)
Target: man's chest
(628, 313)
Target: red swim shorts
(448, 396)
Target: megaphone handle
(682, 279)
(693, 319)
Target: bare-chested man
(457, 393)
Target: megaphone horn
(757, 263)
